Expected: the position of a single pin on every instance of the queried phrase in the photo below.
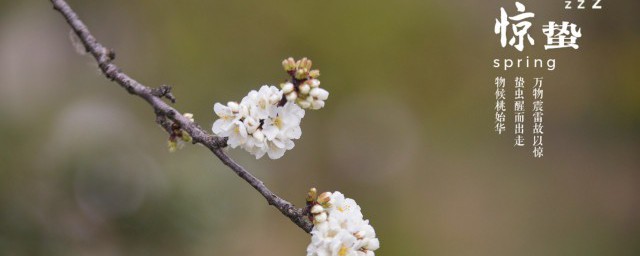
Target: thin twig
(166, 114)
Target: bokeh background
(407, 130)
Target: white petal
(294, 133)
(317, 104)
(277, 142)
(260, 153)
(275, 152)
(270, 131)
(373, 244)
(259, 135)
(319, 93)
(221, 110)
(217, 126)
(233, 106)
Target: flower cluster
(268, 120)
(304, 87)
(258, 125)
(339, 228)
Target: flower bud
(173, 145)
(304, 104)
(301, 73)
(316, 209)
(317, 104)
(287, 87)
(186, 137)
(189, 116)
(309, 99)
(324, 198)
(319, 93)
(305, 88)
(292, 96)
(305, 63)
(289, 64)
(319, 218)
(312, 194)
(314, 73)
(315, 83)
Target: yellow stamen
(343, 251)
(278, 122)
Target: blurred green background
(407, 130)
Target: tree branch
(166, 115)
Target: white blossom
(261, 102)
(267, 121)
(226, 117)
(258, 124)
(237, 134)
(340, 229)
(284, 122)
